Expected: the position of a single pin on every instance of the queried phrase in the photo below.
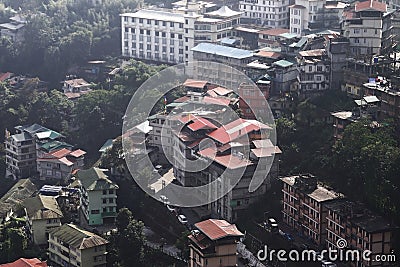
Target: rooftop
(77, 83)
(163, 15)
(22, 190)
(283, 63)
(224, 12)
(217, 229)
(76, 237)
(195, 83)
(220, 50)
(274, 32)
(42, 208)
(23, 262)
(95, 179)
(371, 5)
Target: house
(22, 262)
(14, 29)
(361, 228)
(271, 37)
(98, 196)
(71, 246)
(14, 197)
(304, 207)
(43, 214)
(214, 243)
(166, 35)
(59, 164)
(284, 74)
(75, 88)
(271, 14)
(313, 72)
(255, 103)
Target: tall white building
(169, 35)
(303, 13)
(364, 27)
(270, 13)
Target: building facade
(269, 13)
(72, 246)
(169, 35)
(214, 243)
(98, 196)
(303, 206)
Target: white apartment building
(169, 35)
(303, 13)
(270, 13)
(364, 28)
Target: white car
(182, 219)
(272, 222)
(164, 199)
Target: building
(269, 13)
(169, 35)
(253, 98)
(214, 243)
(271, 37)
(361, 228)
(59, 164)
(284, 74)
(75, 88)
(309, 15)
(313, 72)
(72, 246)
(98, 196)
(14, 197)
(304, 206)
(22, 262)
(363, 26)
(14, 29)
(42, 214)
(21, 150)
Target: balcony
(108, 214)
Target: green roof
(95, 179)
(76, 237)
(55, 145)
(283, 63)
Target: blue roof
(283, 63)
(221, 50)
(228, 41)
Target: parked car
(325, 263)
(164, 199)
(182, 219)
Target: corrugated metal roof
(283, 63)
(217, 229)
(42, 207)
(221, 50)
(76, 237)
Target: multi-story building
(59, 164)
(303, 206)
(214, 243)
(270, 13)
(313, 72)
(98, 196)
(169, 35)
(36, 150)
(43, 214)
(284, 74)
(75, 88)
(364, 27)
(306, 15)
(361, 228)
(21, 149)
(72, 246)
(255, 103)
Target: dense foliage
(61, 34)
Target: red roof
(221, 90)
(217, 229)
(236, 129)
(201, 123)
(274, 32)
(195, 83)
(61, 153)
(371, 4)
(229, 161)
(268, 54)
(216, 100)
(78, 153)
(182, 99)
(22, 262)
(263, 152)
(5, 76)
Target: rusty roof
(195, 83)
(371, 5)
(217, 229)
(23, 262)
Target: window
(140, 20)
(104, 192)
(95, 212)
(111, 191)
(171, 24)
(110, 200)
(104, 200)
(172, 35)
(156, 22)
